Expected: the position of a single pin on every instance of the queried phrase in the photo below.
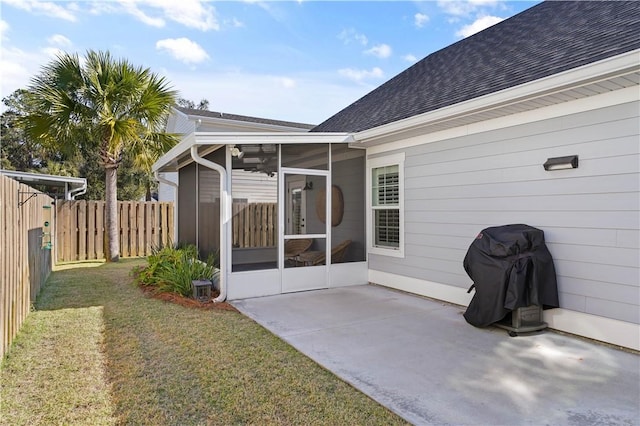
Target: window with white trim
(385, 177)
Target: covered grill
(512, 271)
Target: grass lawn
(97, 351)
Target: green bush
(172, 269)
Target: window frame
(372, 164)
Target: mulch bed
(188, 302)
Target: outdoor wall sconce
(560, 163)
(236, 152)
(308, 186)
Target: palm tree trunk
(111, 214)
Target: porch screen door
(304, 240)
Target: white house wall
(456, 187)
(254, 187)
(180, 123)
(348, 175)
(167, 192)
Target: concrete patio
(420, 358)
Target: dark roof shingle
(546, 39)
(236, 117)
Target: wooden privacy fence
(24, 264)
(80, 232)
(255, 224)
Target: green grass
(97, 351)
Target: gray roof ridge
(245, 118)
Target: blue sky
(289, 60)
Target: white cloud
(361, 75)
(419, 19)
(132, 9)
(456, 8)
(409, 58)
(190, 13)
(287, 83)
(352, 36)
(59, 40)
(183, 50)
(17, 67)
(4, 29)
(272, 8)
(99, 8)
(466, 8)
(45, 8)
(52, 52)
(478, 25)
(484, 2)
(13, 76)
(234, 22)
(380, 51)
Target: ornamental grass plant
(172, 269)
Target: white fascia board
(603, 100)
(236, 138)
(226, 122)
(170, 156)
(227, 138)
(572, 78)
(38, 178)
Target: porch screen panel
(208, 211)
(254, 223)
(386, 206)
(348, 176)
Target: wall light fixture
(560, 163)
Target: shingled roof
(235, 117)
(546, 39)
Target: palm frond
(102, 101)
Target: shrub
(172, 269)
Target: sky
(299, 61)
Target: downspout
(171, 183)
(78, 191)
(225, 215)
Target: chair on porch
(293, 248)
(313, 258)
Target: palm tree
(106, 105)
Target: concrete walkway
(419, 358)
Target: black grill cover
(511, 267)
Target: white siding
(254, 187)
(590, 215)
(180, 123)
(243, 126)
(167, 192)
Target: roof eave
(567, 80)
(45, 179)
(175, 157)
(231, 122)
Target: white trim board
(607, 330)
(594, 72)
(388, 160)
(448, 293)
(616, 97)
